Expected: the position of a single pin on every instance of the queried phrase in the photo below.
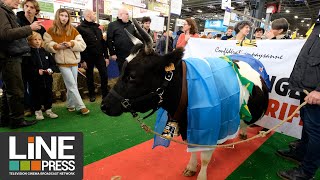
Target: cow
(146, 84)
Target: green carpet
(264, 163)
(103, 135)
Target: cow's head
(141, 76)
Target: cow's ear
(174, 57)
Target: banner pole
(97, 9)
(168, 27)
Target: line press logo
(41, 155)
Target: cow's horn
(134, 40)
(145, 36)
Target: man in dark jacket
(146, 21)
(30, 9)
(119, 43)
(96, 53)
(306, 76)
(10, 66)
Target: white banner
(139, 13)
(176, 7)
(225, 4)
(157, 23)
(278, 57)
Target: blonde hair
(57, 28)
(34, 35)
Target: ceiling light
(307, 18)
(308, 24)
(287, 11)
(199, 11)
(302, 21)
(296, 17)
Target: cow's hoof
(116, 178)
(243, 136)
(189, 173)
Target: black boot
(294, 144)
(23, 123)
(92, 98)
(289, 154)
(294, 174)
(4, 124)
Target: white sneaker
(39, 115)
(51, 114)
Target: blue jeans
(309, 147)
(70, 75)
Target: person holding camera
(66, 43)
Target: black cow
(145, 85)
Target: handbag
(18, 47)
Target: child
(66, 42)
(42, 66)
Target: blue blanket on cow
(213, 102)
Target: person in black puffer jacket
(95, 55)
(41, 68)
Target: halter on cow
(145, 85)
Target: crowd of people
(29, 55)
(35, 54)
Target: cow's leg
(192, 165)
(205, 159)
(243, 130)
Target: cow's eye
(131, 78)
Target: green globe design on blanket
(244, 109)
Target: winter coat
(67, 57)
(40, 59)
(92, 36)
(118, 41)
(306, 71)
(9, 32)
(23, 21)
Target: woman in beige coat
(66, 43)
